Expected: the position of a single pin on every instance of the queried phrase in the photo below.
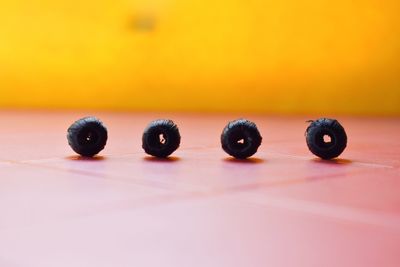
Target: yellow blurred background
(287, 56)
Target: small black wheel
(161, 138)
(240, 138)
(326, 138)
(87, 136)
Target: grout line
(183, 196)
(359, 163)
(367, 164)
(149, 183)
(356, 215)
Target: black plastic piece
(87, 136)
(326, 138)
(240, 138)
(161, 138)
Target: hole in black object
(87, 137)
(162, 138)
(158, 139)
(325, 139)
(239, 141)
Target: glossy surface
(282, 207)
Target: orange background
(338, 57)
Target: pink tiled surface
(201, 208)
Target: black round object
(161, 138)
(326, 138)
(240, 138)
(87, 136)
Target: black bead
(161, 138)
(87, 136)
(330, 129)
(241, 138)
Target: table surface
(283, 207)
